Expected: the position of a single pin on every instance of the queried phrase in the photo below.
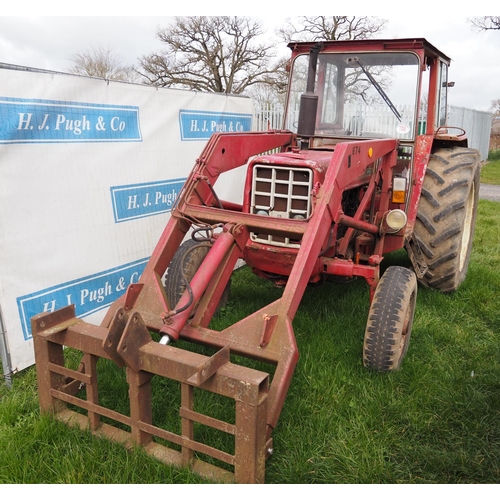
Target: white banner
(89, 172)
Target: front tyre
(186, 261)
(446, 217)
(390, 320)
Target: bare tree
(265, 95)
(273, 89)
(495, 107)
(317, 28)
(485, 23)
(210, 53)
(101, 62)
(312, 28)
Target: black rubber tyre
(446, 217)
(186, 262)
(390, 320)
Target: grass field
(490, 173)
(437, 420)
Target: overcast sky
(48, 41)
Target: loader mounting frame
(267, 335)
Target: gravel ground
(489, 192)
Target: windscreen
(363, 94)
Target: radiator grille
(281, 192)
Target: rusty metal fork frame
(248, 388)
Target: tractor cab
(366, 89)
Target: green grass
(437, 420)
(494, 154)
(490, 173)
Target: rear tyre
(390, 320)
(446, 217)
(183, 267)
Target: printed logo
(89, 294)
(143, 200)
(200, 125)
(39, 121)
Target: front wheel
(390, 320)
(183, 267)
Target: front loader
(360, 169)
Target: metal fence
(476, 123)
(268, 117)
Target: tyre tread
(382, 350)
(440, 220)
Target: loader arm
(268, 333)
(222, 153)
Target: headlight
(394, 221)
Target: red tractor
(360, 170)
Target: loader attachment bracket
(110, 343)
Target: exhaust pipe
(309, 100)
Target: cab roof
(420, 45)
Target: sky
(48, 37)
